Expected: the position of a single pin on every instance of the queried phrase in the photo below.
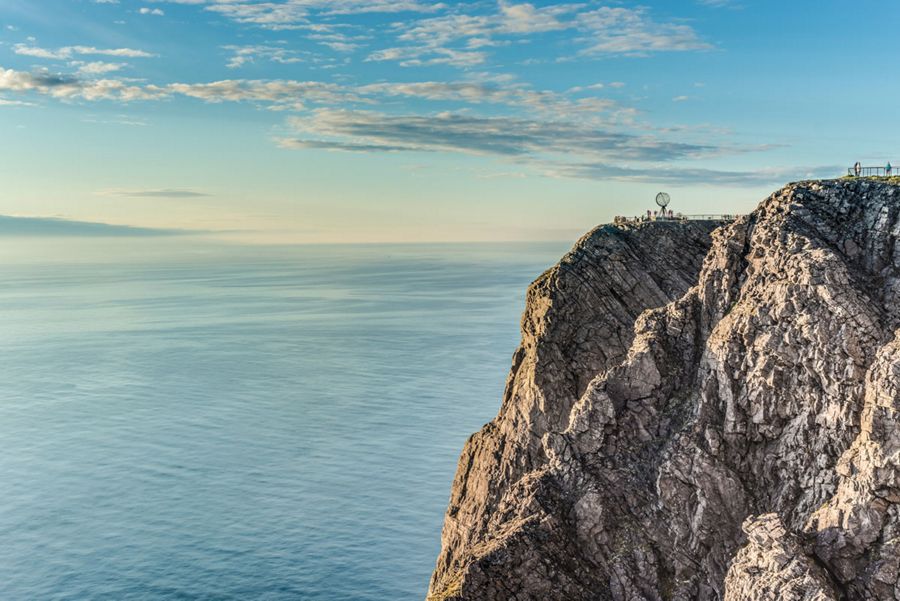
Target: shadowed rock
(645, 420)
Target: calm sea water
(213, 422)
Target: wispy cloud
(157, 193)
(575, 135)
(116, 120)
(459, 38)
(297, 14)
(461, 34)
(7, 102)
(96, 68)
(242, 55)
(617, 30)
(66, 87)
(476, 93)
(501, 136)
(68, 52)
(281, 94)
(579, 131)
(430, 54)
(688, 174)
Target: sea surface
(207, 421)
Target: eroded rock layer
(676, 432)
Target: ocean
(200, 421)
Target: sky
(335, 121)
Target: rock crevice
(698, 414)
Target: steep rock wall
(745, 446)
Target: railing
(676, 217)
(711, 217)
(872, 171)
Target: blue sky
(406, 120)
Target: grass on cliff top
(893, 179)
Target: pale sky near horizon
(406, 120)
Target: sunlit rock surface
(698, 417)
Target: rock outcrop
(680, 427)
(579, 321)
(773, 567)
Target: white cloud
(68, 87)
(429, 55)
(152, 11)
(243, 55)
(19, 81)
(339, 42)
(525, 18)
(67, 52)
(90, 82)
(42, 52)
(630, 31)
(7, 102)
(566, 134)
(474, 92)
(293, 14)
(278, 94)
(97, 67)
(604, 30)
(461, 34)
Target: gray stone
(659, 399)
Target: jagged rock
(636, 436)
(578, 322)
(773, 567)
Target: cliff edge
(698, 414)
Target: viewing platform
(665, 214)
(619, 219)
(858, 170)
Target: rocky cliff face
(681, 427)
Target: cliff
(698, 415)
